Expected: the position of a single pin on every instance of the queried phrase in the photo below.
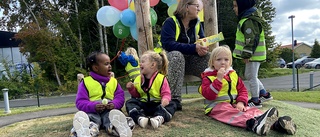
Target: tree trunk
(210, 20)
(105, 36)
(56, 73)
(80, 36)
(144, 27)
(100, 28)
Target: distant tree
(315, 52)
(286, 54)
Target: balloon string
(122, 44)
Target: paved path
(277, 83)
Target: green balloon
(153, 16)
(120, 31)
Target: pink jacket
(210, 95)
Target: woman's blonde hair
(160, 58)
(133, 52)
(181, 10)
(218, 50)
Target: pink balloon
(154, 2)
(119, 4)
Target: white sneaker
(156, 121)
(143, 121)
(81, 124)
(119, 121)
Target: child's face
(235, 7)
(103, 66)
(221, 61)
(146, 66)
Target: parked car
(281, 62)
(300, 62)
(313, 64)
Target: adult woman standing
(178, 36)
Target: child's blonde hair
(218, 50)
(133, 52)
(160, 58)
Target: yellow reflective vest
(260, 52)
(132, 71)
(228, 92)
(96, 91)
(154, 92)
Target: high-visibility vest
(228, 92)
(158, 48)
(96, 91)
(132, 71)
(154, 92)
(259, 54)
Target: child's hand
(164, 102)
(110, 106)
(129, 85)
(240, 106)
(220, 74)
(100, 108)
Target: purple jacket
(83, 102)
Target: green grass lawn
(190, 122)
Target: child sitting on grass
(226, 98)
(130, 60)
(99, 99)
(150, 92)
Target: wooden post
(210, 20)
(144, 28)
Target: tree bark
(210, 20)
(144, 27)
(100, 28)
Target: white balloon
(108, 15)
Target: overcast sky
(306, 24)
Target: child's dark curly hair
(92, 59)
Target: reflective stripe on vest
(154, 91)
(95, 90)
(260, 52)
(223, 94)
(133, 71)
(159, 45)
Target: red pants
(226, 113)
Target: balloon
(108, 15)
(119, 4)
(153, 16)
(128, 17)
(154, 2)
(134, 32)
(171, 9)
(200, 15)
(169, 2)
(131, 5)
(120, 30)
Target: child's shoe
(264, 98)
(73, 132)
(252, 103)
(143, 121)
(130, 122)
(94, 129)
(119, 121)
(81, 124)
(261, 124)
(156, 121)
(285, 125)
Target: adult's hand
(201, 50)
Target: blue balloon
(134, 32)
(128, 17)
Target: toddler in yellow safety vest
(150, 91)
(227, 97)
(130, 60)
(99, 101)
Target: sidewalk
(7, 120)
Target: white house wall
(12, 55)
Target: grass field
(189, 122)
